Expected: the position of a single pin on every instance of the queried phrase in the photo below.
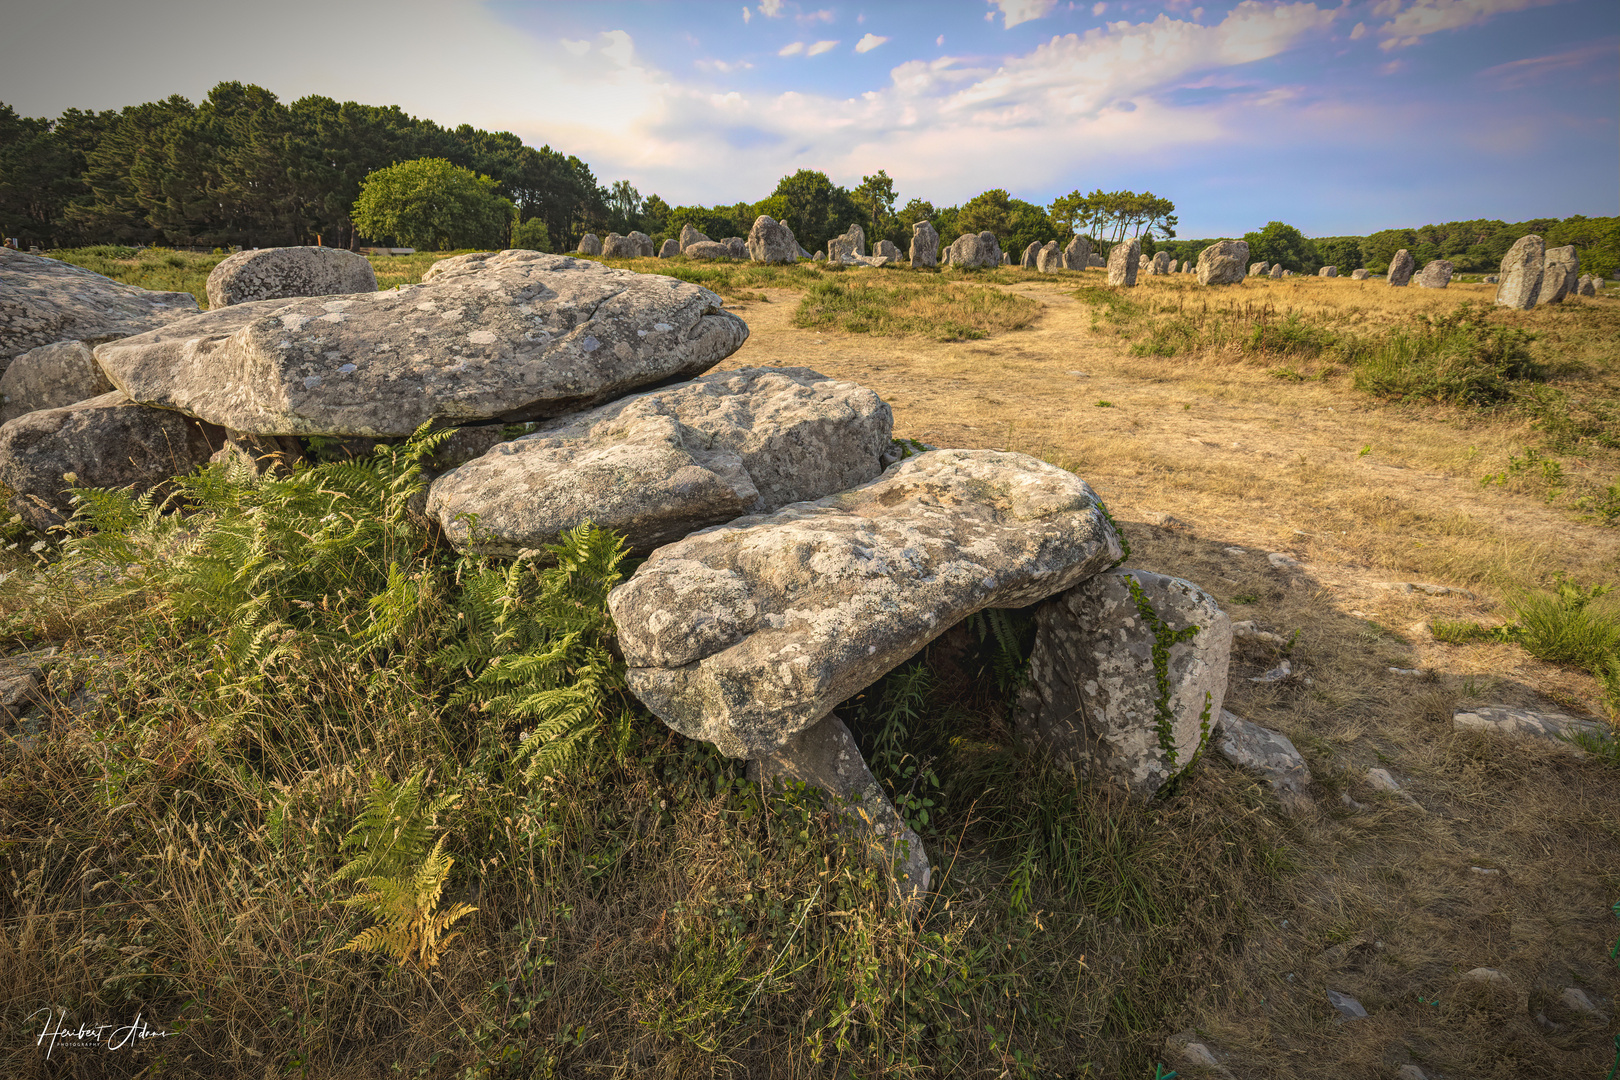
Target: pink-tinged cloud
(1432, 16)
(821, 47)
(1520, 73)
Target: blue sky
(1339, 119)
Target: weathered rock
(661, 465)
(471, 260)
(1489, 279)
(515, 336)
(971, 249)
(707, 249)
(1256, 269)
(1494, 990)
(1585, 287)
(1223, 263)
(746, 634)
(644, 244)
(1560, 274)
(50, 377)
(1124, 260)
(1162, 263)
(1359, 275)
(669, 249)
(589, 244)
(1049, 260)
(1522, 270)
(620, 247)
(1031, 253)
(1504, 720)
(1401, 267)
(737, 246)
(1006, 258)
(43, 301)
(1347, 1007)
(825, 755)
(1094, 698)
(1269, 753)
(1276, 271)
(690, 236)
(853, 242)
(107, 441)
(1328, 271)
(884, 249)
(771, 241)
(1097, 261)
(1077, 253)
(1436, 274)
(1144, 264)
(924, 244)
(279, 273)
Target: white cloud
(771, 9)
(1431, 16)
(868, 43)
(823, 46)
(578, 48)
(1099, 7)
(619, 48)
(721, 66)
(940, 40)
(1014, 12)
(1359, 32)
(814, 17)
(748, 16)
(791, 50)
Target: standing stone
(1223, 263)
(107, 442)
(1162, 263)
(1124, 259)
(1276, 271)
(590, 245)
(883, 249)
(1049, 260)
(1144, 264)
(1258, 268)
(1359, 275)
(1560, 274)
(644, 244)
(1401, 267)
(1522, 270)
(1127, 677)
(276, 273)
(746, 634)
(690, 236)
(1328, 271)
(969, 250)
(661, 465)
(1077, 253)
(924, 244)
(44, 301)
(1489, 279)
(671, 248)
(515, 336)
(737, 246)
(853, 242)
(620, 247)
(1436, 274)
(1031, 254)
(771, 241)
(707, 249)
(1586, 287)
(1006, 258)
(50, 377)
(1096, 261)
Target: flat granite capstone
(514, 336)
(745, 634)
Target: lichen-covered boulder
(1077, 253)
(590, 244)
(1359, 275)
(706, 249)
(669, 249)
(1436, 274)
(1049, 260)
(1031, 253)
(660, 465)
(746, 634)
(644, 244)
(1586, 287)
(1127, 675)
(736, 246)
(1162, 263)
(970, 249)
(924, 244)
(1401, 267)
(771, 241)
(1276, 271)
(853, 242)
(44, 301)
(1124, 261)
(1256, 269)
(1523, 267)
(516, 336)
(50, 377)
(615, 246)
(1223, 263)
(106, 442)
(690, 236)
(1328, 271)
(278, 273)
(1269, 753)
(1560, 275)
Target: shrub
(433, 205)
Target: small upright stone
(1358, 275)
(853, 242)
(590, 244)
(620, 247)
(1096, 261)
(1436, 274)
(883, 249)
(690, 236)
(737, 246)
(1401, 267)
(1560, 274)
(969, 250)
(771, 241)
(278, 273)
(1328, 271)
(1223, 263)
(1276, 271)
(1162, 263)
(644, 244)
(1586, 287)
(1258, 268)
(1124, 260)
(1049, 260)
(924, 244)
(1031, 254)
(1522, 270)
(1077, 254)
(671, 248)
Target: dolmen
(795, 552)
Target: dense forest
(243, 169)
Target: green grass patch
(934, 309)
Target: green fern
(392, 832)
(1013, 635)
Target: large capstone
(771, 241)
(515, 336)
(50, 377)
(746, 634)
(1127, 675)
(661, 465)
(1124, 260)
(279, 273)
(1522, 270)
(1223, 263)
(924, 244)
(105, 442)
(1560, 275)
(1401, 267)
(43, 301)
